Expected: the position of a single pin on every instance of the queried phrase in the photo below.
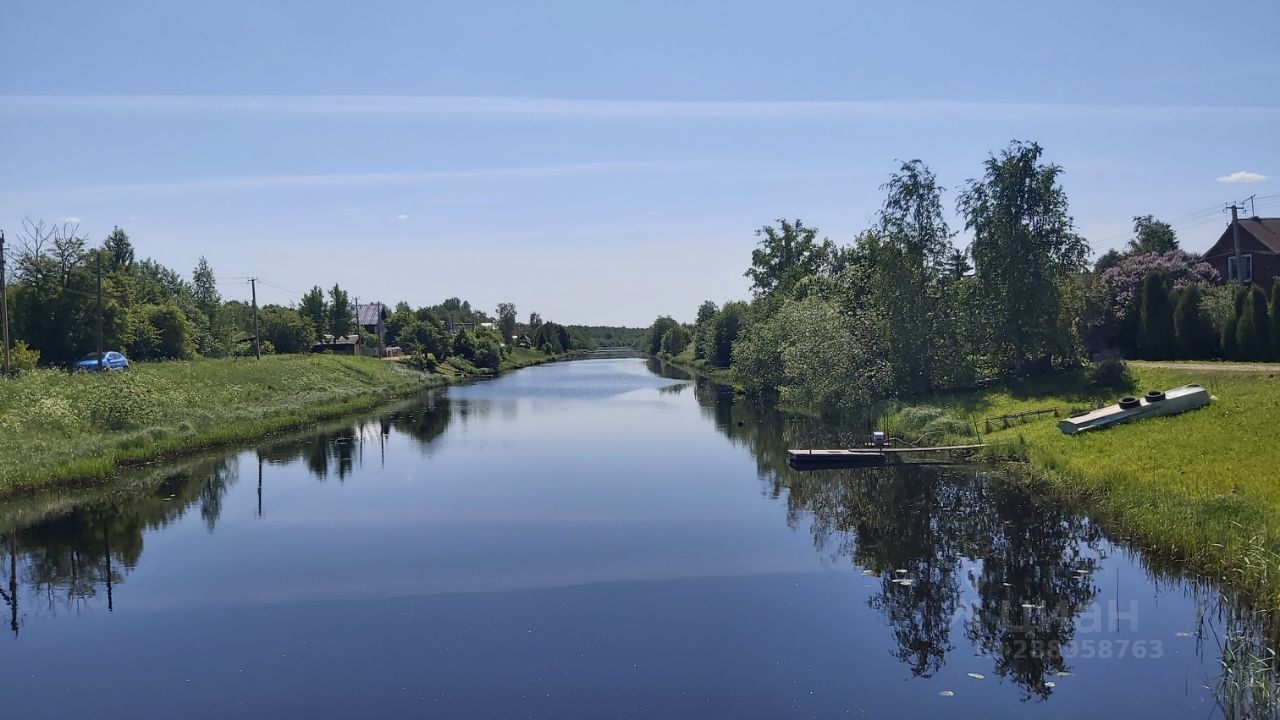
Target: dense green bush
(675, 340)
(1253, 329)
(1194, 335)
(1156, 325)
(285, 329)
(23, 358)
(488, 354)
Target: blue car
(110, 361)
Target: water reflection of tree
(1035, 581)
(334, 448)
(63, 558)
(926, 534)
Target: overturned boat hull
(1155, 404)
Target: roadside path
(1210, 367)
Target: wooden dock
(873, 457)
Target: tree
(119, 250)
(1275, 319)
(547, 339)
(1115, 321)
(429, 335)
(314, 308)
(656, 331)
(160, 332)
(507, 321)
(726, 327)
(1152, 236)
(1108, 260)
(341, 316)
(675, 340)
(958, 264)
(534, 321)
(464, 345)
(286, 329)
(1253, 331)
(488, 354)
(1024, 249)
(1155, 336)
(813, 354)
(204, 289)
(786, 254)
(1192, 329)
(702, 340)
(907, 254)
(1229, 343)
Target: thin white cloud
(72, 220)
(402, 216)
(425, 106)
(1242, 177)
(323, 180)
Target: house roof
(369, 313)
(1266, 231)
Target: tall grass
(59, 428)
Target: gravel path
(1211, 367)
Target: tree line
(902, 310)
(151, 312)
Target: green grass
(61, 429)
(1202, 488)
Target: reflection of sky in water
(583, 539)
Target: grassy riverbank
(57, 428)
(1199, 487)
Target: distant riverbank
(58, 429)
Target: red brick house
(1259, 252)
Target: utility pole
(99, 310)
(4, 305)
(1235, 238)
(257, 344)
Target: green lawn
(1202, 487)
(59, 428)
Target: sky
(604, 162)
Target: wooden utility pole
(99, 309)
(4, 305)
(1235, 239)
(257, 344)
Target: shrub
(1110, 371)
(464, 345)
(23, 358)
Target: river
(598, 538)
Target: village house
(372, 319)
(1259, 252)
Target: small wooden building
(1259, 252)
(340, 345)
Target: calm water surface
(591, 539)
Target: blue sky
(603, 162)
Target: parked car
(110, 361)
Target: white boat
(1153, 404)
